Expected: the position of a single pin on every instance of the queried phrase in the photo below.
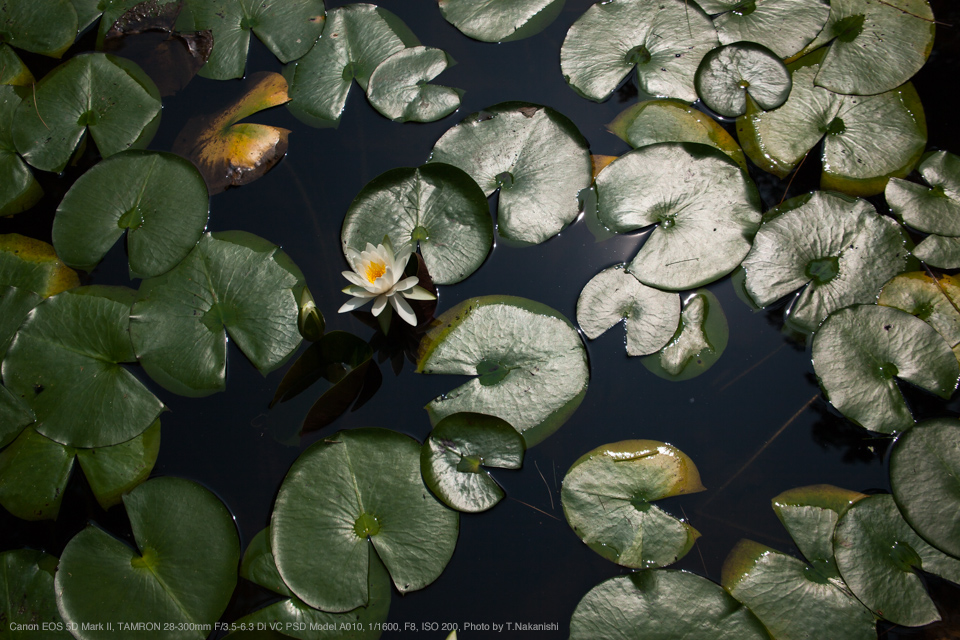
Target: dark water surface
(754, 424)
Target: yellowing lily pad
(935, 301)
(33, 265)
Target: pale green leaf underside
(783, 26)
(728, 74)
(398, 86)
(931, 210)
(500, 20)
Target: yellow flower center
(375, 270)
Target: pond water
(755, 424)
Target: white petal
(355, 279)
(379, 304)
(404, 310)
(403, 256)
(418, 293)
(353, 303)
(358, 292)
(406, 283)
(353, 255)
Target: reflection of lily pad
(936, 302)
(28, 597)
(33, 265)
(935, 209)
(19, 190)
(784, 26)
(436, 206)
(131, 191)
(665, 40)
(535, 156)
(698, 342)
(859, 350)
(356, 493)
(924, 473)
(457, 452)
(530, 363)
(47, 27)
(607, 496)
(399, 88)
(232, 283)
(728, 74)
(500, 20)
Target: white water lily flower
(377, 276)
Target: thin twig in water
(893, 6)
(695, 543)
(754, 366)
(549, 515)
(549, 493)
(795, 172)
(35, 107)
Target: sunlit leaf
(784, 26)
(33, 265)
(19, 190)
(935, 209)
(728, 75)
(259, 567)
(698, 343)
(12, 71)
(933, 301)
(398, 86)
(47, 27)
(939, 251)
(500, 20)
(27, 597)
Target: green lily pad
(353, 494)
(838, 249)
(14, 416)
(931, 210)
(925, 476)
(34, 471)
(65, 365)
(728, 74)
(232, 283)
(182, 571)
(698, 343)
(792, 600)
(529, 361)
(398, 86)
(436, 206)
(455, 456)
(47, 27)
(12, 71)
(19, 190)
(288, 28)
(130, 191)
(500, 20)
(665, 40)
(535, 156)
(654, 121)
(27, 597)
(15, 304)
(859, 350)
(106, 95)
(652, 316)
(607, 498)
(783, 26)
(877, 552)
(705, 207)
(939, 251)
(259, 567)
(655, 605)
(33, 265)
(355, 40)
(933, 301)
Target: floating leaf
(131, 191)
(665, 40)
(784, 26)
(859, 350)
(182, 571)
(939, 251)
(924, 473)
(607, 496)
(33, 265)
(47, 27)
(232, 283)
(398, 86)
(728, 74)
(355, 40)
(358, 487)
(500, 20)
(232, 154)
(19, 190)
(934, 210)
(14, 416)
(436, 206)
(27, 594)
(65, 364)
(877, 552)
(288, 28)
(457, 452)
(12, 71)
(106, 95)
(705, 206)
(839, 249)
(530, 363)
(15, 304)
(698, 342)
(656, 605)
(933, 301)
(652, 316)
(535, 156)
(654, 121)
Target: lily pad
(652, 316)
(131, 191)
(935, 301)
(65, 365)
(232, 154)
(34, 471)
(351, 495)
(698, 343)
(15, 304)
(793, 601)
(182, 571)
(12, 72)
(436, 206)
(939, 251)
(535, 156)
(232, 283)
(859, 350)
(705, 207)
(457, 453)
(925, 476)
(14, 416)
(355, 40)
(398, 86)
(529, 361)
(106, 95)
(655, 605)
(935, 209)
(27, 597)
(664, 39)
(33, 265)
(500, 20)
(288, 28)
(47, 27)
(654, 121)
(835, 247)
(607, 496)
(783, 26)
(729, 74)
(19, 190)
(877, 552)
